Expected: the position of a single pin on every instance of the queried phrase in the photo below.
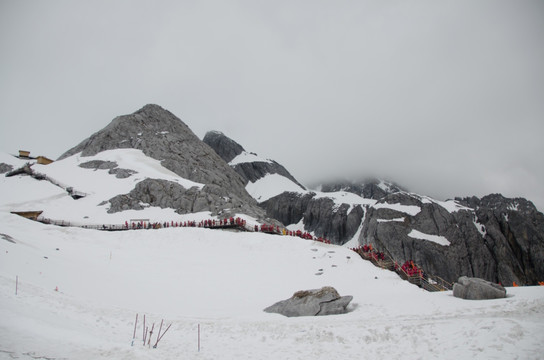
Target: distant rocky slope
(325, 215)
(494, 238)
(368, 189)
(161, 135)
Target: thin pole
(158, 335)
(144, 330)
(165, 332)
(198, 337)
(16, 283)
(159, 339)
(150, 334)
(145, 335)
(134, 335)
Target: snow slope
(221, 281)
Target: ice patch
(514, 206)
(407, 209)
(390, 220)
(270, 186)
(440, 240)
(247, 157)
(481, 228)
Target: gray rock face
(228, 149)
(164, 137)
(168, 194)
(319, 302)
(224, 146)
(320, 215)
(477, 289)
(500, 240)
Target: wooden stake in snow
(145, 334)
(198, 337)
(158, 335)
(134, 335)
(150, 334)
(16, 284)
(144, 330)
(159, 339)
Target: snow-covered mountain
(150, 165)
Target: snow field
(222, 280)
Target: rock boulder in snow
(477, 289)
(317, 302)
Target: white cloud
(440, 97)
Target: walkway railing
(413, 275)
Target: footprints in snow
(326, 254)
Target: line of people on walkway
(208, 223)
(274, 229)
(367, 252)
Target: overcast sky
(443, 97)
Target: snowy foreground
(73, 293)
(221, 281)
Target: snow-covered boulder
(317, 302)
(477, 289)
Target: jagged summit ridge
(369, 188)
(135, 130)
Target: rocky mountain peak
(161, 135)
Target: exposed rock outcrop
(108, 165)
(168, 194)
(4, 168)
(318, 302)
(320, 215)
(162, 136)
(224, 146)
(477, 289)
